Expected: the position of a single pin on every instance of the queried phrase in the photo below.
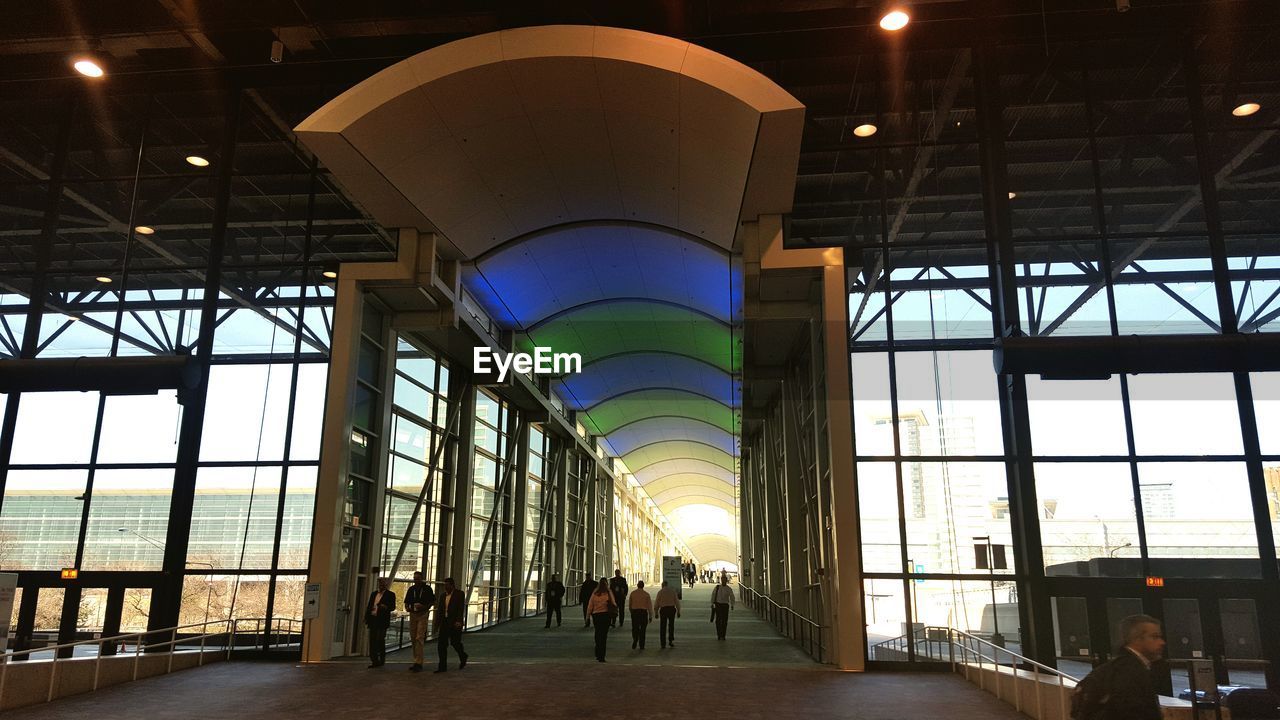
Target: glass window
(1199, 519)
(949, 507)
(1088, 524)
(872, 420)
(55, 427)
(308, 411)
(128, 520)
(140, 428)
(878, 517)
(1266, 409)
(947, 403)
(1185, 414)
(1076, 417)
(246, 413)
(233, 519)
(41, 517)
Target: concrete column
(324, 636)
(460, 543)
(844, 569)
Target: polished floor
(523, 670)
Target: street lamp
(996, 638)
(1118, 549)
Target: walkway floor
(522, 670)
(751, 642)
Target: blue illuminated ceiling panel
(621, 374)
(651, 430)
(552, 271)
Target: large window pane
(233, 520)
(128, 520)
(1185, 414)
(54, 427)
(1076, 417)
(40, 520)
(299, 511)
(246, 413)
(951, 398)
(140, 428)
(872, 426)
(878, 517)
(953, 508)
(1088, 526)
(1199, 519)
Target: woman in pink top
(602, 608)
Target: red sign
(1155, 581)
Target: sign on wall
(673, 573)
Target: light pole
(996, 638)
(1118, 549)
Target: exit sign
(70, 573)
(1155, 581)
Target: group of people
(606, 603)
(419, 599)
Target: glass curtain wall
(1106, 147)
(491, 512)
(540, 527)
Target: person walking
(667, 605)
(619, 586)
(555, 596)
(584, 597)
(418, 600)
(377, 617)
(602, 609)
(641, 606)
(721, 601)
(1122, 688)
(450, 613)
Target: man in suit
(584, 597)
(451, 610)
(721, 600)
(418, 600)
(555, 596)
(1122, 689)
(619, 587)
(377, 617)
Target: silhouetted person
(602, 609)
(1122, 688)
(618, 585)
(721, 600)
(418, 600)
(641, 606)
(584, 596)
(451, 611)
(555, 596)
(667, 605)
(377, 616)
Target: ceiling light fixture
(894, 20)
(88, 67)
(331, 274)
(1012, 194)
(197, 161)
(1246, 109)
(866, 130)
(145, 230)
(103, 279)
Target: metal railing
(144, 645)
(808, 634)
(969, 654)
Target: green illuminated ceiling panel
(640, 458)
(613, 414)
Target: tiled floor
(521, 670)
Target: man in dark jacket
(418, 600)
(619, 587)
(555, 596)
(584, 597)
(377, 617)
(451, 609)
(1122, 688)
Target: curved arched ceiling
(595, 179)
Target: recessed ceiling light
(894, 20)
(866, 130)
(145, 230)
(1012, 194)
(1246, 109)
(197, 161)
(88, 68)
(331, 274)
(103, 279)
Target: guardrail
(145, 646)
(808, 634)
(969, 654)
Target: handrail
(965, 648)
(784, 618)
